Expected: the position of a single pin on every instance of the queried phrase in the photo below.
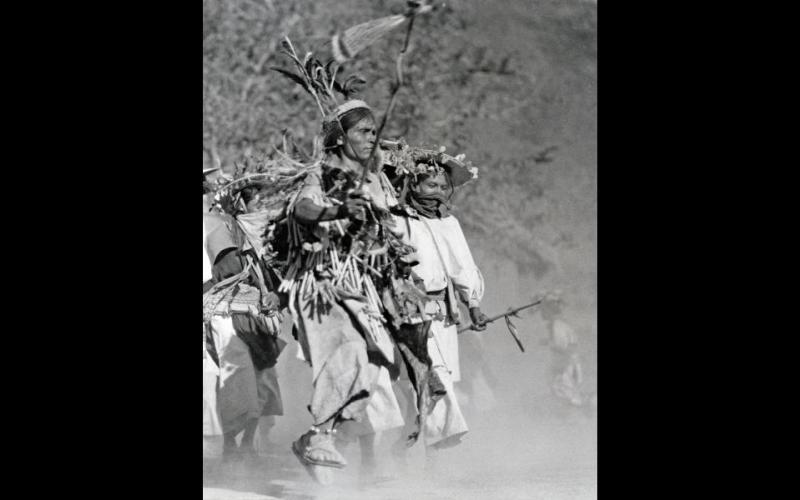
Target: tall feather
(328, 73)
(353, 40)
(352, 85)
(356, 38)
(288, 74)
(338, 88)
(310, 75)
(308, 63)
(317, 79)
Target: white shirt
(206, 260)
(456, 260)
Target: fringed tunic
(337, 311)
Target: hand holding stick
(511, 328)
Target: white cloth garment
(206, 260)
(211, 421)
(237, 392)
(456, 260)
(445, 422)
(443, 342)
(445, 425)
(383, 411)
(442, 251)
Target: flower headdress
(411, 162)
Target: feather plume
(352, 85)
(286, 44)
(356, 38)
(288, 74)
(353, 40)
(328, 72)
(318, 79)
(308, 63)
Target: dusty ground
(544, 457)
(523, 442)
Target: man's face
(435, 184)
(360, 140)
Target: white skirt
(443, 344)
(446, 421)
(235, 392)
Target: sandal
(320, 470)
(316, 439)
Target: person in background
(241, 346)
(566, 371)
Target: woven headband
(349, 106)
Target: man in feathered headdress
(345, 290)
(343, 336)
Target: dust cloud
(524, 443)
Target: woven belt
(438, 294)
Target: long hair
(333, 131)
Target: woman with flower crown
(447, 271)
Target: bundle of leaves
(263, 184)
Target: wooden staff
(415, 8)
(511, 330)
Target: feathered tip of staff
(345, 45)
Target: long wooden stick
(390, 107)
(503, 315)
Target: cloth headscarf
(432, 206)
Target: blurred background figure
(566, 372)
(478, 383)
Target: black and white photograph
(399, 249)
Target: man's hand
(355, 204)
(478, 319)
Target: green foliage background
(500, 81)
